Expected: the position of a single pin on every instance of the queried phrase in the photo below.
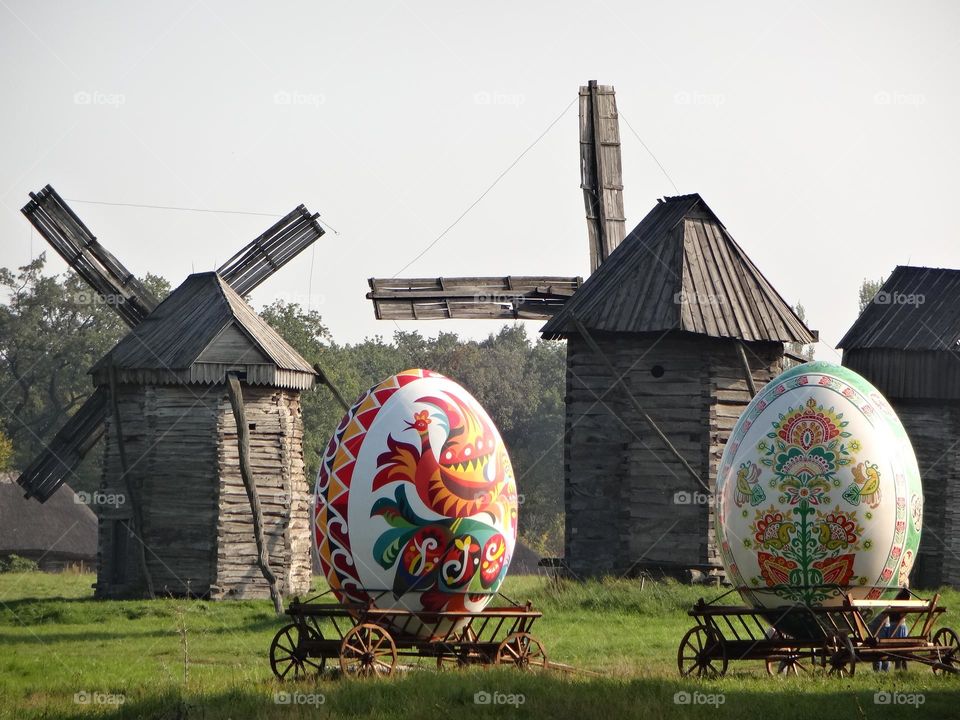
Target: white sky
(823, 134)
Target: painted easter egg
(416, 503)
(818, 492)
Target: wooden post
(243, 447)
(746, 369)
(134, 499)
(636, 405)
(325, 380)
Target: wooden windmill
(204, 435)
(667, 341)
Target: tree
(804, 351)
(52, 330)
(868, 290)
(6, 452)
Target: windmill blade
(74, 242)
(268, 253)
(498, 298)
(50, 468)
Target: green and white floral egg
(818, 492)
(416, 502)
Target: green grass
(56, 641)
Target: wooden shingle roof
(170, 343)
(918, 308)
(680, 269)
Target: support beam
(324, 379)
(243, 446)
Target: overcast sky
(823, 134)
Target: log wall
(630, 503)
(181, 449)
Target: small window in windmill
(119, 542)
(251, 426)
(657, 371)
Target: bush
(17, 564)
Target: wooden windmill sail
(121, 290)
(528, 297)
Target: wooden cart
(796, 639)
(367, 640)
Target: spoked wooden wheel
(948, 649)
(789, 664)
(841, 660)
(458, 656)
(289, 657)
(523, 650)
(367, 650)
(702, 653)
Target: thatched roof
(917, 308)
(202, 330)
(680, 269)
(63, 528)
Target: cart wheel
(787, 665)
(702, 653)
(840, 656)
(457, 657)
(523, 650)
(367, 650)
(949, 655)
(290, 658)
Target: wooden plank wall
(629, 501)
(276, 457)
(933, 429)
(171, 445)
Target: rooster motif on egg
(818, 492)
(416, 502)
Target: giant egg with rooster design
(415, 501)
(818, 492)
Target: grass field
(64, 655)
